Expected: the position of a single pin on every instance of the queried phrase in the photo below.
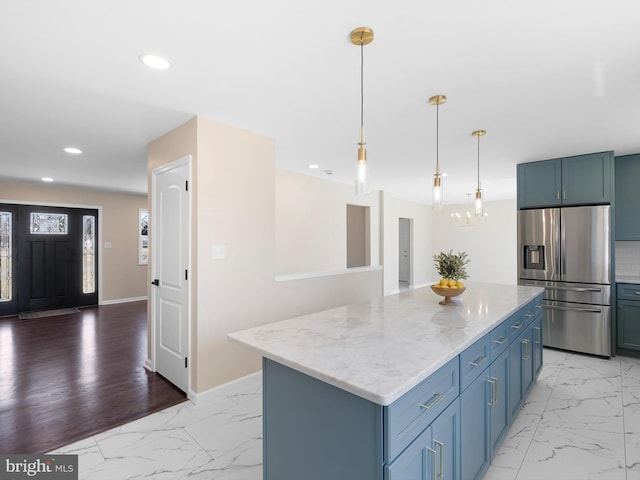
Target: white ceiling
(545, 79)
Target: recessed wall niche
(358, 236)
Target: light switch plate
(218, 252)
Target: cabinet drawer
(518, 322)
(529, 312)
(474, 360)
(500, 339)
(405, 418)
(628, 291)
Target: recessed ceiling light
(47, 179)
(155, 61)
(73, 150)
(314, 166)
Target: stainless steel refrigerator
(568, 251)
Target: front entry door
(48, 258)
(48, 242)
(170, 237)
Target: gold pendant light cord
(478, 162)
(362, 88)
(437, 138)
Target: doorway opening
(48, 258)
(404, 254)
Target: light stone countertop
(381, 349)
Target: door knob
(156, 282)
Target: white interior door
(170, 231)
(404, 274)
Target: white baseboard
(148, 364)
(199, 397)
(123, 300)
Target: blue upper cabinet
(540, 184)
(580, 180)
(586, 179)
(628, 197)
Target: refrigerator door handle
(573, 309)
(576, 289)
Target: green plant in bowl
(451, 267)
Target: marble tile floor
(580, 422)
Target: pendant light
(437, 100)
(362, 36)
(479, 212)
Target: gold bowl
(447, 293)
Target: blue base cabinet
(498, 402)
(485, 414)
(448, 427)
(628, 316)
(525, 363)
(315, 431)
(490, 404)
(435, 454)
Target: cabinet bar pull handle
(500, 340)
(528, 314)
(433, 454)
(493, 381)
(432, 401)
(441, 447)
(478, 361)
(537, 329)
(517, 325)
(557, 194)
(526, 349)
(637, 293)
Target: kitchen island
(399, 387)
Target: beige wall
(311, 223)
(421, 229)
(122, 277)
(491, 247)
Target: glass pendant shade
(362, 171)
(437, 191)
(479, 212)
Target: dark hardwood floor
(68, 377)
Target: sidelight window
(49, 223)
(5, 256)
(88, 253)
